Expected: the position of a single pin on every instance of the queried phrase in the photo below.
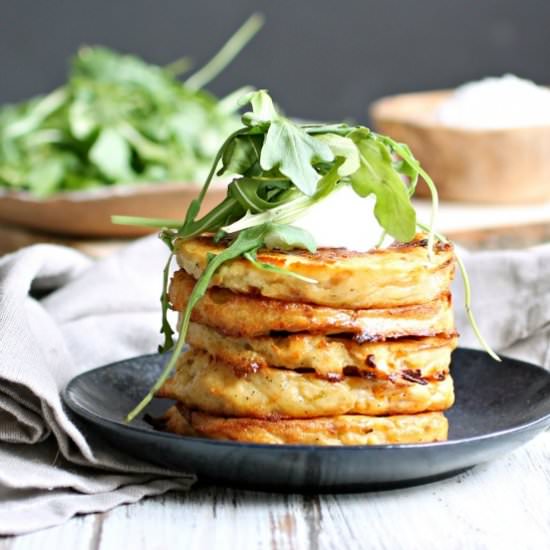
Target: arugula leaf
(330, 181)
(263, 110)
(112, 155)
(46, 176)
(413, 170)
(226, 212)
(100, 65)
(291, 150)
(242, 156)
(232, 102)
(467, 298)
(246, 241)
(287, 237)
(166, 328)
(259, 194)
(228, 52)
(81, 119)
(158, 223)
(195, 205)
(262, 106)
(34, 114)
(406, 163)
(345, 148)
(294, 205)
(376, 175)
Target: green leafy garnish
(345, 148)
(468, 299)
(293, 151)
(246, 241)
(377, 176)
(281, 169)
(287, 237)
(166, 328)
(119, 120)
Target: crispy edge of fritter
(338, 430)
(414, 359)
(244, 315)
(202, 383)
(381, 278)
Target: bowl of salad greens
(119, 135)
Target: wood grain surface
(501, 505)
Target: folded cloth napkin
(95, 313)
(511, 301)
(92, 313)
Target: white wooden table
(501, 505)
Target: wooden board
(13, 238)
(490, 227)
(88, 213)
(504, 505)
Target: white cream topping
(343, 220)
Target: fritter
(400, 275)
(338, 430)
(206, 384)
(331, 357)
(243, 315)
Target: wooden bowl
(485, 166)
(88, 213)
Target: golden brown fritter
(400, 275)
(413, 359)
(243, 315)
(338, 430)
(205, 384)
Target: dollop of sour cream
(343, 220)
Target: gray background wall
(320, 58)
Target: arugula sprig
(281, 169)
(467, 298)
(245, 242)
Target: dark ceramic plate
(499, 406)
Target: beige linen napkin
(96, 313)
(511, 300)
(50, 469)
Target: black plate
(499, 406)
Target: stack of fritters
(360, 357)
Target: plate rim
(96, 418)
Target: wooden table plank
(211, 518)
(502, 505)
(78, 533)
(482, 508)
